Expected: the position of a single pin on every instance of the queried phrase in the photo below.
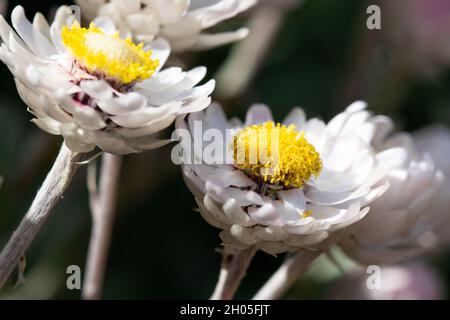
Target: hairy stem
(233, 270)
(51, 191)
(103, 203)
(288, 273)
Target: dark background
(322, 59)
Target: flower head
(181, 22)
(108, 55)
(95, 88)
(402, 221)
(288, 185)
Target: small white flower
(181, 22)
(94, 88)
(323, 179)
(401, 223)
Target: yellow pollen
(307, 214)
(109, 54)
(276, 154)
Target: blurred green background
(322, 59)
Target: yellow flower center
(276, 154)
(108, 54)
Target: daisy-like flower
(401, 223)
(312, 178)
(95, 88)
(181, 22)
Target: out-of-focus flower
(314, 179)
(181, 22)
(94, 88)
(418, 31)
(412, 281)
(435, 141)
(401, 223)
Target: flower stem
(103, 203)
(233, 270)
(288, 273)
(51, 191)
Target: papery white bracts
(181, 22)
(353, 176)
(402, 222)
(91, 111)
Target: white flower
(435, 141)
(401, 223)
(181, 22)
(321, 179)
(94, 88)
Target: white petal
(258, 113)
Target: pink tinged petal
(37, 42)
(97, 89)
(85, 117)
(243, 234)
(258, 113)
(236, 214)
